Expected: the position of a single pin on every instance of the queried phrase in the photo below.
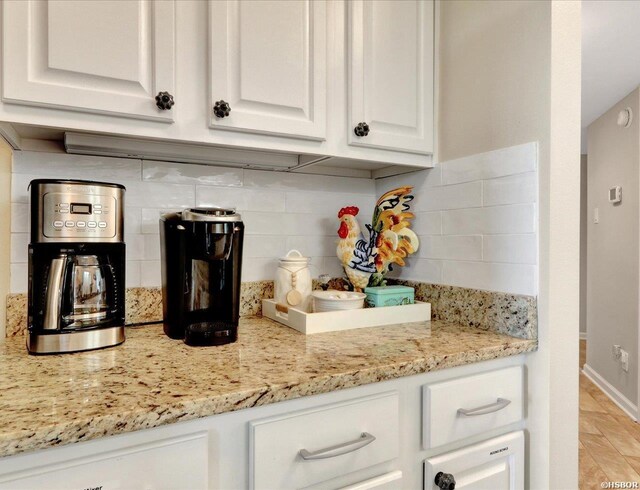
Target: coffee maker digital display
(76, 266)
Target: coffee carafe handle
(55, 284)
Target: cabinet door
(496, 464)
(103, 56)
(268, 62)
(169, 464)
(390, 62)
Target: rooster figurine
(367, 259)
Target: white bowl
(333, 300)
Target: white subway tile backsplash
(313, 246)
(425, 270)
(512, 278)
(135, 247)
(287, 224)
(330, 203)
(150, 220)
(477, 220)
(460, 196)
(19, 248)
(326, 265)
(132, 274)
(475, 216)
(517, 249)
(19, 278)
(514, 189)
(150, 273)
(307, 182)
(264, 246)
(184, 173)
(240, 199)
(259, 268)
(430, 177)
(132, 221)
(498, 163)
(19, 187)
(428, 223)
(159, 195)
(451, 247)
(20, 218)
(150, 247)
(517, 218)
(66, 166)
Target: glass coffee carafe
(81, 291)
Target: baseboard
(608, 389)
(583, 335)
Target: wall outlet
(624, 360)
(615, 351)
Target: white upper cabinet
(268, 64)
(105, 57)
(390, 63)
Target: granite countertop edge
(91, 427)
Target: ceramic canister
(293, 281)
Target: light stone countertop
(151, 380)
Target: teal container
(389, 296)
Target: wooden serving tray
(332, 321)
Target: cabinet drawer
(463, 407)
(497, 464)
(179, 462)
(304, 448)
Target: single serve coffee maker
(201, 261)
(76, 266)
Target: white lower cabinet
(459, 408)
(367, 437)
(298, 450)
(174, 463)
(496, 464)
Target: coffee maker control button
(92, 224)
(69, 224)
(64, 205)
(81, 224)
(62, 211)
(102, 224)
(97, 206)
(58, 224)
(97, 211)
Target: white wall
(280, 211)
(476, 219)
(510, 74)
(613, 247)
(584, 219)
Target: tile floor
(609, 444)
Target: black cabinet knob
(362, 129)
(445, 481)
(221, 109)
(164, 101)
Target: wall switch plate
(624, 360)
(596, 216)
(615, 351)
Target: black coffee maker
(201, 265)
(76, 266)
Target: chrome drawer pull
(339, 449)
(492, 407)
